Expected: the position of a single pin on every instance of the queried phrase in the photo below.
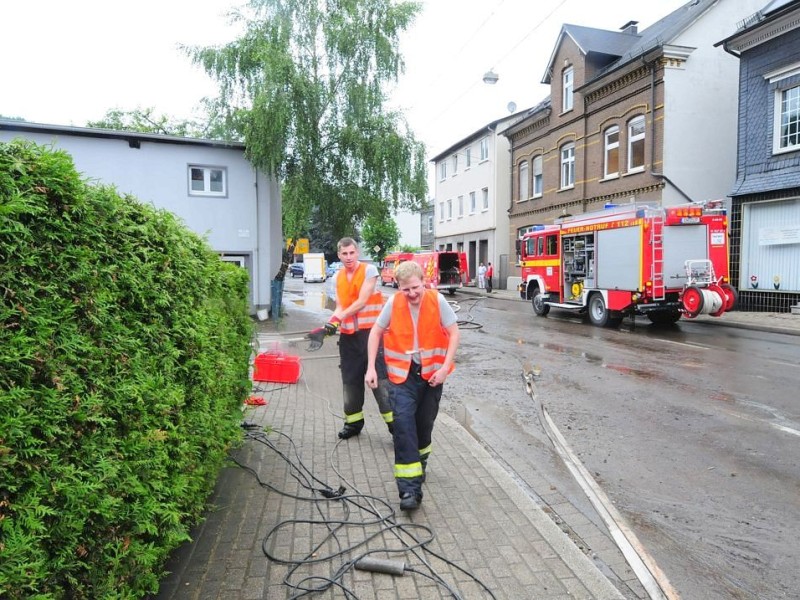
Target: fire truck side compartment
(618, 264)
(682, 243)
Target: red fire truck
(631, 259)
(443, 270)
(390, 263)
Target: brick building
(632, 117)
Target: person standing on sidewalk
(420, 335)
(358, 304)
(481, 276)
(489, 275)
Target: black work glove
(316, 336)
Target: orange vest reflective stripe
(348, 291)
(431, 337)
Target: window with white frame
(449, 209)
(611, 152)
(523, 181)
(636, 144)
(443, 170)
(468, 157)
(455, 163)
(473, 203)
(567, 87)
(537, 176)
(567, 165)
(460, 206)
(485, 148)
(787, 119)
(207, 181)
(430, 224)
(485, 193)
(441, 211)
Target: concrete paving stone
(549, 580)
(499, 566)
(406, 588)
(523, 573)
(557, 567)
(543, 549)
(253, 588)
(575, 588)
(209, 592)
(233, 579)
(257, 567)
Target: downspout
(584, 161)
(653, 133)
(256, 254)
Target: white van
(315, 267)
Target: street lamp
(490, 77)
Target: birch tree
(306, 85)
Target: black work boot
(410, 501)
(351, 429)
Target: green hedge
(124, 353)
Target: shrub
(124, 351)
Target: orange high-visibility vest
(431, 337)
(348, 291)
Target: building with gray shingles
(209, 184)
(765, 211)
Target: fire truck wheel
(599, 314)
(731, 296)
(539, 307)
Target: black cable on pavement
(413, 537)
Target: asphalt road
(692, 432)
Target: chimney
(630, 28)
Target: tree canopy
(380, 231)
(146, 120)
(305, 85)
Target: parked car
(332, 268)
(296, 269)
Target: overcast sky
(68, 62)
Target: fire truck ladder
(657, 262)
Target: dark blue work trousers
(415, 405)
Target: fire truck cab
(630, 259)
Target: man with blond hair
(419, 331)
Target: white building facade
(472, 192)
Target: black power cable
(357, 510)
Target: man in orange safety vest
(358, 304)
(419, 330)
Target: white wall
(409, 225)
(701, 108)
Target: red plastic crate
(276, 368)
